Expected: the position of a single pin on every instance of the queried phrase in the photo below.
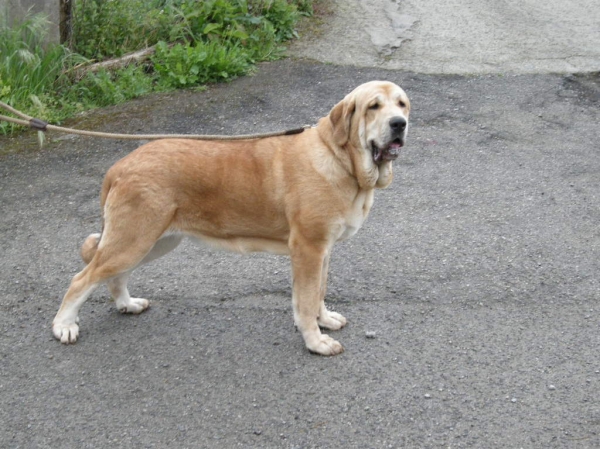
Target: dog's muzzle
(391, 149)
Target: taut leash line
(41, 125)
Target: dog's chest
(357, 214)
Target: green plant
(246, 31)
(30, 71)
(105, 88)
(283, 16)
(305, 7)
(189, 65)
(213, 19)
(197, 42)
(104, 29)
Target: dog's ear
(340, 118)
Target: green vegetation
(196, 42)
(31, 72)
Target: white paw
(324, 345)
(133, 305)
(331, 320)
(66, 333)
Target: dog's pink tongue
(392, 152)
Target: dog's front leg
(308, 261)
(328, 319)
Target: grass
(197, 42)
(30, 71)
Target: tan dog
(294, 195)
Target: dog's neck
(342, 154)
(349, 157)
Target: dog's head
(371, 124)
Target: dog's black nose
(398, 124)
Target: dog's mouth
(388, 152)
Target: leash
(43, 126)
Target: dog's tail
(89, 247)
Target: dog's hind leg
(119, 292)
(126, 242)
(118, 285)
(328, 319)
(66, 323)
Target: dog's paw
(331, 320)
(133, 305)
(66, 333)
(324, 345)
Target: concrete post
(15, 11)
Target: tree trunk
(65, 25)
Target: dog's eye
(374, 106)
(402, 104)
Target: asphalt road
(459, 36)
(476, 274)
